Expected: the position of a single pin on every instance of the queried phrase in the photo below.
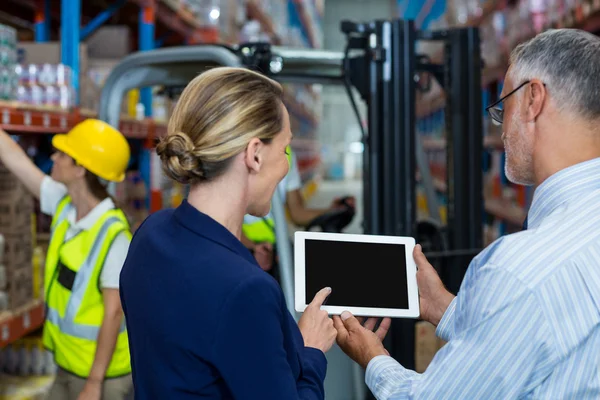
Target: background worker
(258, 234)
(89, 241)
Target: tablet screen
(359, 274)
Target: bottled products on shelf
(27, 369)
(489, 43)
(205, 12)
(305, 106)
(27, 357)
(278, 11)
(8, 60)
(295, 37)
(252, 32)
(232, 15)
(47, 85)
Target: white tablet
(369, 275)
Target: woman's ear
(254, 155)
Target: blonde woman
(204, 321)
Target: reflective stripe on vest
(263, 231)
(64, 206)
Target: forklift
(380, 62)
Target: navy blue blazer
(204, 321)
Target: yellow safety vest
(74, 304)
(264, 231)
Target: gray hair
(567, 61)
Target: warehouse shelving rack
(159, 23)
(584, 15)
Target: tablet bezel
(411, 274)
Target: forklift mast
(386, 76)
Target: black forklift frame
(393, 152)
(380, 61)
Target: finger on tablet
(361, 320)
(321, 296)
(383, 329)
(370, 324)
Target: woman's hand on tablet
(316, 326)
(360, 342)
(434, 299)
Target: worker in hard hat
(90, 236)
(258, 234)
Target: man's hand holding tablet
(434, 299)
(362, 344)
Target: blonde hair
(217, 115)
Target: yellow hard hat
(96, 146)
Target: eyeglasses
(496, 112)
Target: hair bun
(178, 157)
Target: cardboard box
(16, 209)
(98, 71)
(426, 345)
(3, 278)
(112, 41)
(16, 205)
(42, 53)
(18, 251)
(89, 94)
(15, 216)
(20, 287)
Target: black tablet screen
(359, 274)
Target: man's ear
(254, 155)
(535, 96)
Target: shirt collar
(203, 225)
(562, 187)
(92, 217)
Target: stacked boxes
(16, 208)
(130, 196)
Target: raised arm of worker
(299, 213)
(501, 344)
(17, 162)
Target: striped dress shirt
(526, 322)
